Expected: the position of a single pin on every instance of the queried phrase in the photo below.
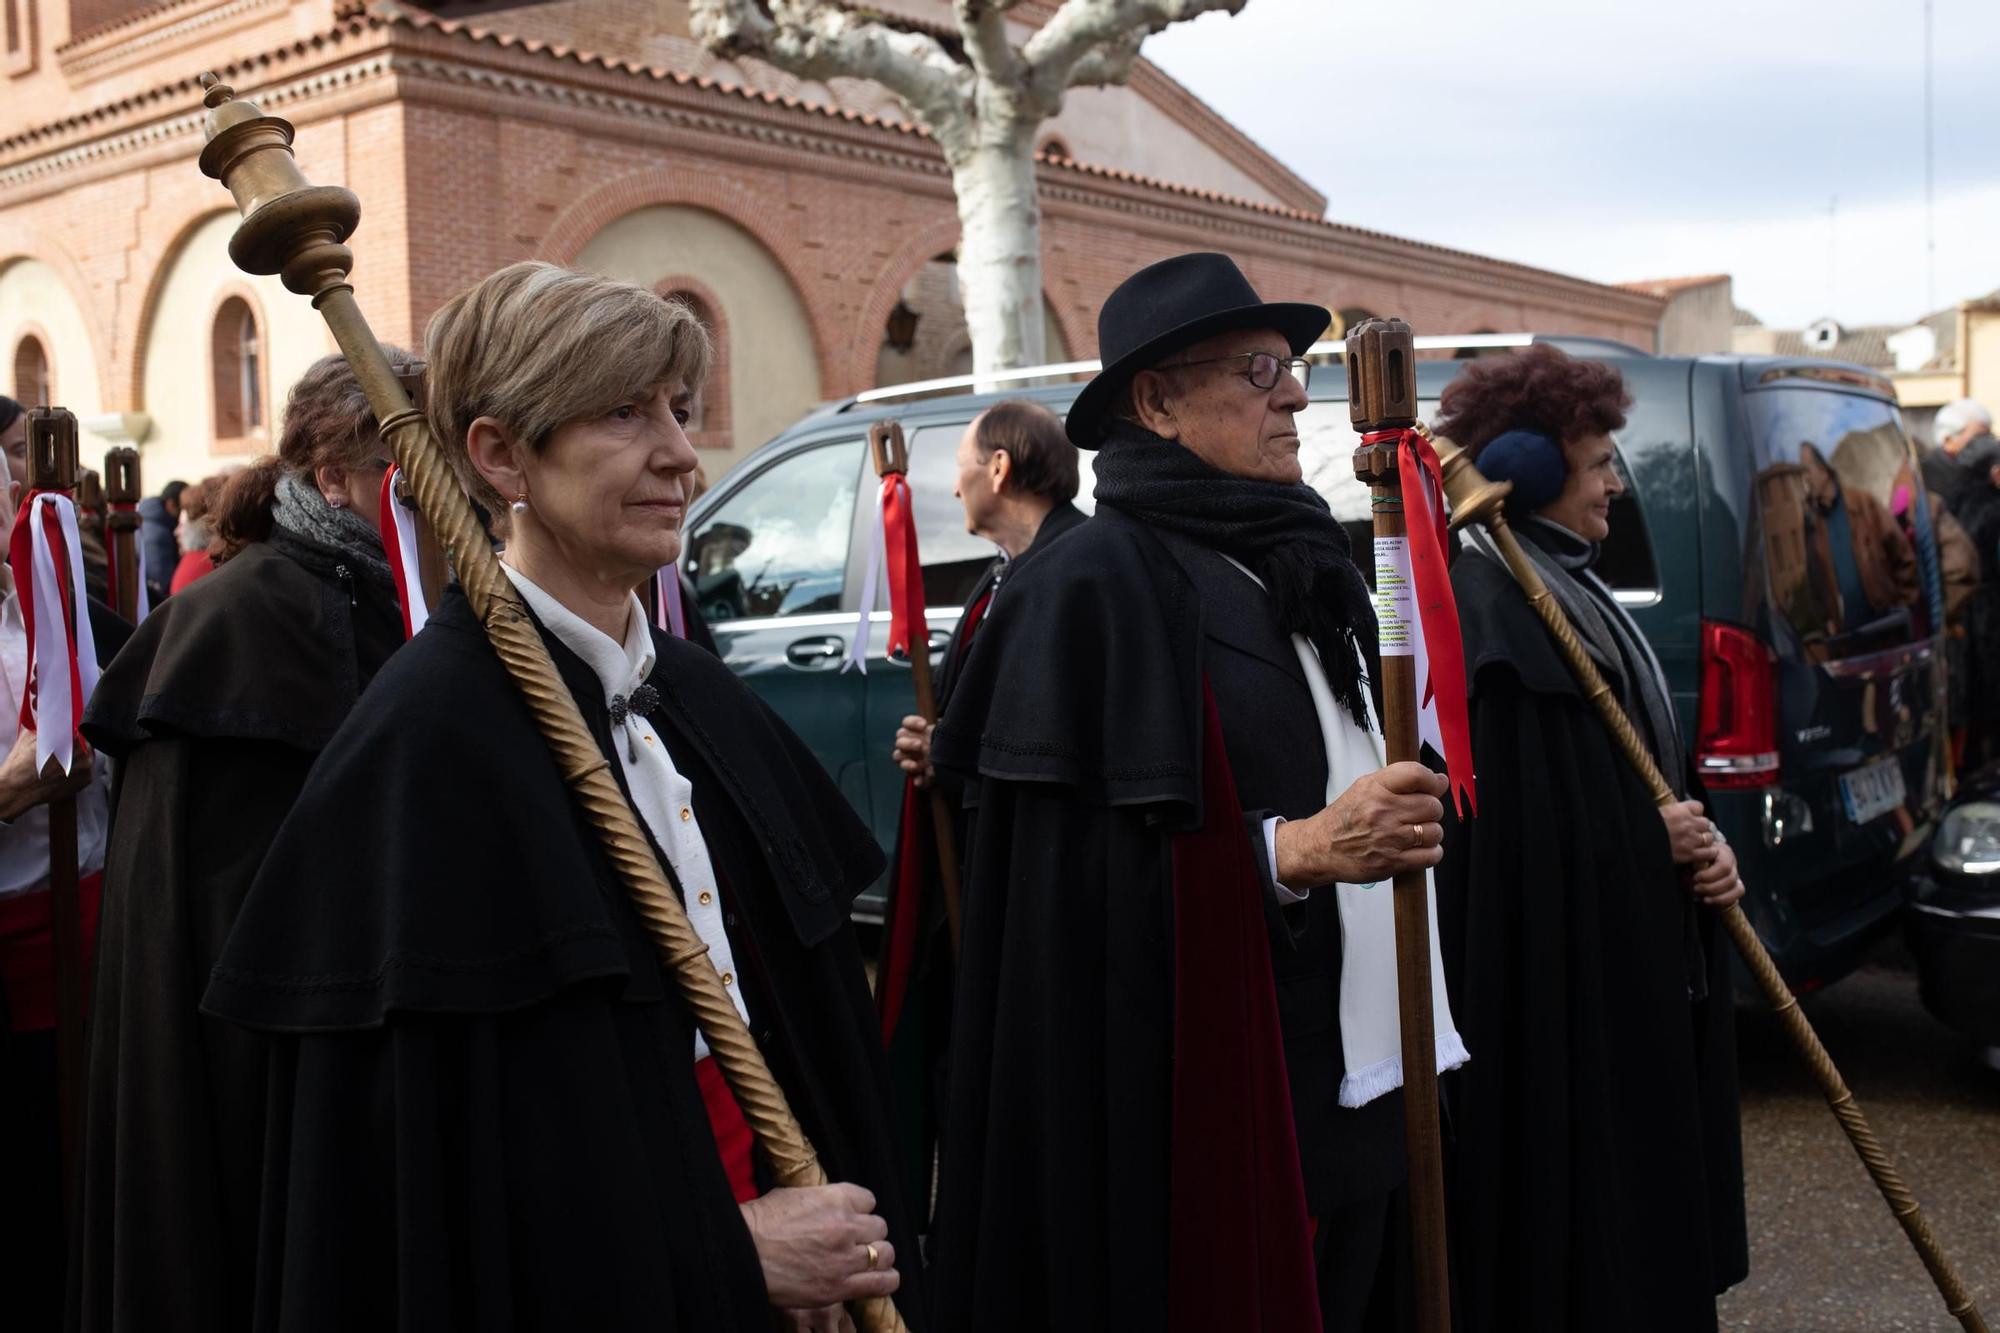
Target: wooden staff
(52, 467)
(294, 228)
(1474, 499)
(121, 527)
(1382, 395)
(892, 458)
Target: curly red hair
(1540, 388)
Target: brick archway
(736, 204)
(32, 243)
(156, 283)
(712, 431)
(887, 288)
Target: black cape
(213, 714)
(483, 1106)
(1064, 1031)
(1596, 1167)
(917, 980)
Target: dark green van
(1815, 716)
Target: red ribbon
(21, 560)
(1425, 520)
(906, 574)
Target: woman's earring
(520, 506)
(337, 503)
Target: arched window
(1056, 148)
(34, 384)
(236, 355)
(708, 419)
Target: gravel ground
(1825, 1254)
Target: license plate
(1872, 791)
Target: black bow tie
(640, 702)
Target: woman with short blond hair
(494, 1108)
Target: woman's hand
(821, 1247)
(1716, 884)
(1688, 832)
(913, 749)
(1387, 822)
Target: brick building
(808, 222)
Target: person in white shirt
(31, 1223)
(492, 1096)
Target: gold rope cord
(1474, 499)
(295, 228)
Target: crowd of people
(377, 1039)
(1962, 476)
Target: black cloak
(915, 987)
(483, 1108)
(1596, 1167)
(1066, 1188)
(213, 714)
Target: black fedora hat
(1174, 304)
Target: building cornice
(150, 33)
(435, 62)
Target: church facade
(811, 225)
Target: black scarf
(1283, 532)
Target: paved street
(1825, 1254)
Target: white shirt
(662, 797)
(24, 844)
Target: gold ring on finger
(874, 1257)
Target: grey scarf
(301, 510)
(1614, 642)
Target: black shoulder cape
(915, 981)
(484, 1101)
(214, 711)
(1596, 1165)
(1067, 1198)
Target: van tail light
(1738, 742)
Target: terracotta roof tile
(1673, 286)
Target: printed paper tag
(1395, 598)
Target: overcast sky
(1619, 140)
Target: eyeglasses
(1263, 370)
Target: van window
(778, 545)
(1838, 565)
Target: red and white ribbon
(46, 556)
(399, 542)
(871, 582)
(1440, 651)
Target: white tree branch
(1095, 41)
(983, 24)
(813, 39)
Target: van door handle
(813, 652)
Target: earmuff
(1529, 459)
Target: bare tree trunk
(999, 253)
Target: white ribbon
(55, 712)
(405, 520)
(857, 654)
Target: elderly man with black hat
(1175, 1039)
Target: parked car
(1953, 926)
(1816, 718)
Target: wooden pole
(52, 467)
(298, 230)
(121, 527)
(1477, 500)
(1382, 395)
(892, 457)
